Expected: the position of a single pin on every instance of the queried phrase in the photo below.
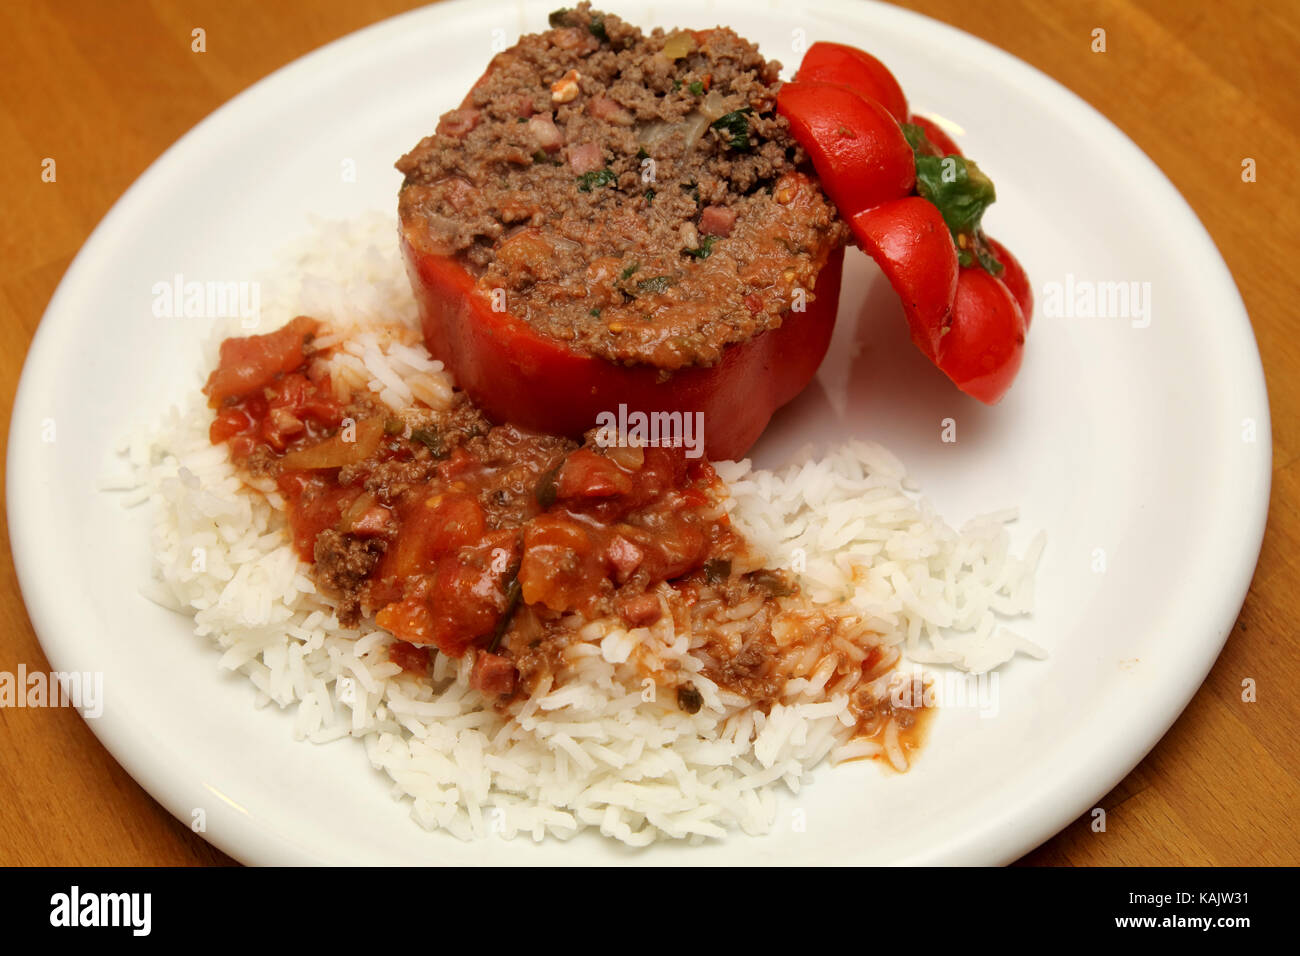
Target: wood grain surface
(1201, 85)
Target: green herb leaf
(547, 488)
(430, 439)
(717, 569)
(627, 273)
(597, 177)
(697, 88)
(689, 699)
(920, 143)
(774, 583)
(559, 18)
(649, 195)
(705, 248)
(513, 593)
(734, 126)
(654, 284)
(961, 192)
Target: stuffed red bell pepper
(618, 219)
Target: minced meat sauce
(460, 536)
(636, 196)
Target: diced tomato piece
(469, 601)
(410, 658)
(409, 621)
(588, 475)
(307, 399)
(664, 468)
(236, 420)
(381, 592)
(431, 528)
(701, 470)
(250, 363)
(460, 602)
(560, 567)
(289, 408)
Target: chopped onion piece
(679, 44)
(695, 124)
(713, 106)
(335, 452)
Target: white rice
(602, 750)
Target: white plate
(1129, 440)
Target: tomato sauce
(442, 525)
(464, 537)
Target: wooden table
(105, 88)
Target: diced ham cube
(545, 133)
(640, 611)
(493, 674)
(521, 104)
(460, 121)
(285, 423)
(602, 107)
(717, 220)
(460, 192)
(374, 521)
(585, 158)
(588, 475)
(624, 556)
(575, 39)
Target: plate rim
(245, 839)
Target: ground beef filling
(635, 195)
(343, 563)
